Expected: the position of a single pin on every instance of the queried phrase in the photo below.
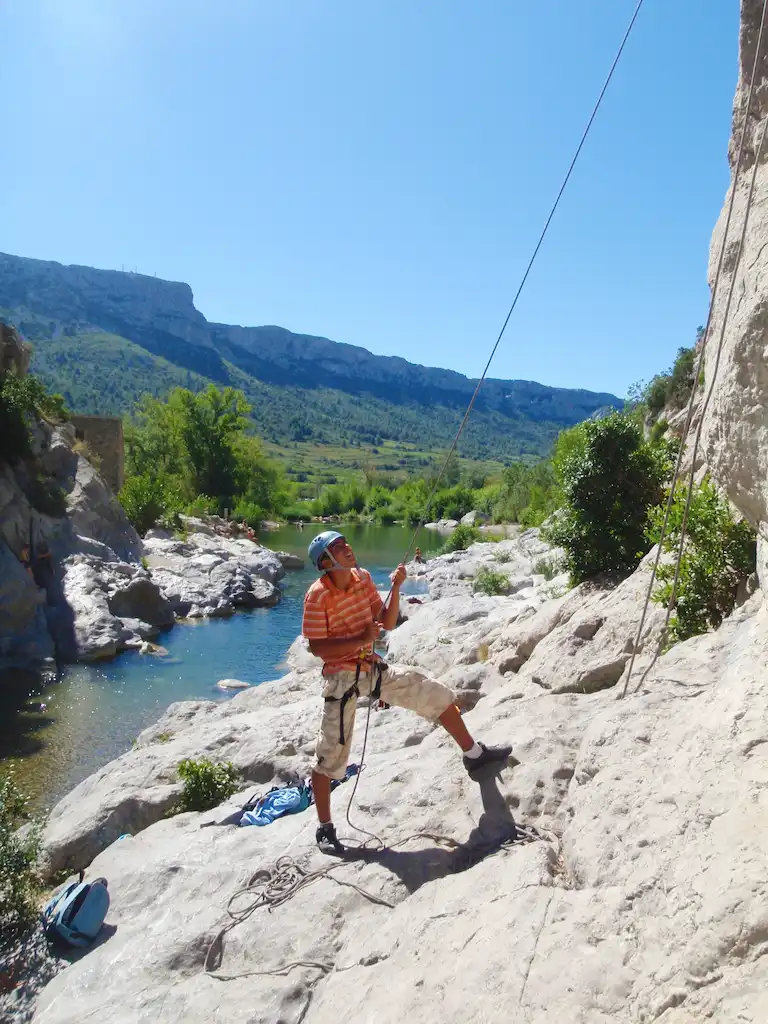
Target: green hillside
(101, 373)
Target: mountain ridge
(49, 301)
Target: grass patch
(490, 583)
(206, 784)
(19, 879)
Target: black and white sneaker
(490, 755)
(327, 840)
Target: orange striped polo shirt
(330, 613)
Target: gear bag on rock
(75, 915)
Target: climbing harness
(377, 668)
(697, 371)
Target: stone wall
(104, 437)
(735, 430)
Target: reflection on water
(58, 733)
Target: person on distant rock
(24, 558)
(42, 569)
(418, 557)
(343, 617)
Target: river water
(59, 733)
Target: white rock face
(94, 512)
(735, 434)
(208, 575)
(63, 609)
(473, 518)
(651, 906)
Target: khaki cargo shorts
(401, 686)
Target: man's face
(343, 553)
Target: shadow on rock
(495, 829)
(28, 966)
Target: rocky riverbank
(91, 587)
(644, 896)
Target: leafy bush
(609, 482)
(460, 539)
(20, 399)
(658, 430)
(203, 505)
(673, 387)
(490, 582)
(249, 512)
(548, 568)
(527, 494)
(19, 880)
(143, 501)
(206, 784)
(718, 554)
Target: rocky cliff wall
(735, 434)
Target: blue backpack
(75, 915)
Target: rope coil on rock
(272, 888)
(697, 370)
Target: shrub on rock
(206, 784)
(19, 881)
(609, 481)
(718, 554)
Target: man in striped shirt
(343, 616)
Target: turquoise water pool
(58, 734)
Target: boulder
(232, 684)
(59, 460)
(136, 629)
(447, 525)
(474, 518)
(24, 637)
(141, 599)
(209, 576)
(94, 512)
(96, 632)
(289, 561)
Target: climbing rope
(473, 399)
(275, 887)
(272, 888)
(529, 267)
(697, 370)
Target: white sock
(324, 823)
(475, 751)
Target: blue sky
(377, 171)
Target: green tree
(609, 482)
(210, 422)
(20, 399)
(195, 444)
